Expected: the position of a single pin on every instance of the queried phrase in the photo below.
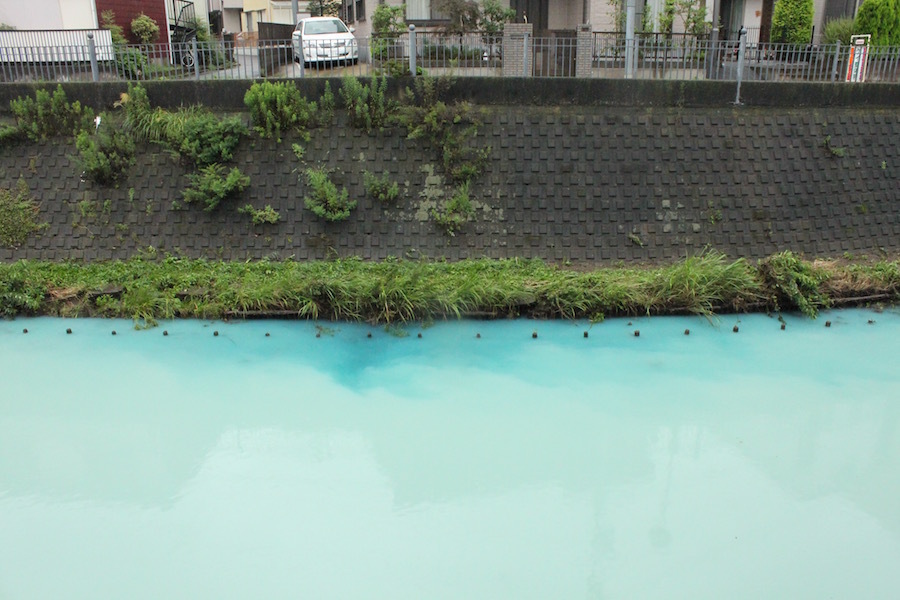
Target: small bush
(838, 30)
(105, 156)
(278, 107)
(261, 216)
(367, 105)
(145, 29)
(19, 294)
(455, 212)
(18, 215)
(211, 185)
(881, 19)
(206, 139)
(381, 187)
(48, 115)
(324, 199)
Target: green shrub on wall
(278, 107)
(105, 156)
(792, 21)
(47, 115)
(880, 19)
(211, 185)
(324, 199)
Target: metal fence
(653, 56)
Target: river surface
(758, 464)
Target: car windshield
(328, 26)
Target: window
(360, 10)
(420, 10)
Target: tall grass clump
(392, 291)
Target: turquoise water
(757, 464)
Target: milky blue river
(474, 462)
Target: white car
(325, 40)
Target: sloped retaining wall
(580, 184)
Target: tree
(324, 8)
(387, 25)
(462, 15)
(880, 19)
(792, 21)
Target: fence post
(302, 56)
(92, 52)
(194, 57)
(629, 40)
(837, 57)
(413, 49)
(740, 64)
(525, 55)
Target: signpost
(859, 55)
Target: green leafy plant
(145, 29)
(261, 216)
(324, 199)
(10, 135)
(880, 19)
(278, 107)
(324, 115)
(455, 212)
(18, 215)
(211, 185)
(105, 155)
(792, 21)
(367, 105)
(47, 115)
(131, 63)
(380, 187)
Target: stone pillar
(584, 51)
(514, 56)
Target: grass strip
(147, 289)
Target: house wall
(36, 14)
(752, 13)
(602, 15)
(78, 14)
(565, 14)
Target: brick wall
(127, 10)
